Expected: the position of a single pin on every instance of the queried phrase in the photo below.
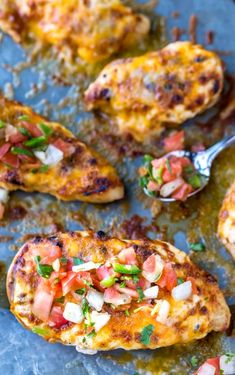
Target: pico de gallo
(169, 177)
(34, 147)
(224, 364)
(72, 291)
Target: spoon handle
(214, 150)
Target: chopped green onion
(35, 142)
(23, 118)
(180, 280)
(77, 261)
(197, 246)
(43, 270)
(41, 331)
(141, 294)
(108, 282)
(146, 334)
(21, 151)
(80, 291)
(126, 268)
(2, 125)
(63, 260)
(46, 130)
(60, 299)
(24, 131)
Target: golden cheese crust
(84, 175)
(95, 29)
(188, 320)
(226, 227)
(146, 93)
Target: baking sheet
(24, 353)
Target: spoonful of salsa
(179, 175)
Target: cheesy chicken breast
(94, 29)
(226, 227)
(146, 93)
(37, 155)
(99, 293)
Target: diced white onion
(4, 195)
(227, 365)
(86, 351)
(122, 299)
(169, 188)
(56, 265)
(73, 313)
(51, 156)
(86, 266)
(100, 319)
(163, 311)
(182, 291)
(95, 299)
(207, 369)
(151, 292)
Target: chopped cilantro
(77, 261)
(197, 246)
(146, 334)
(85, 307)
(180, 280)
(123, 284)
(60, 299)
(168, 165)
(43, 270)
(194, 361)
(24, 132)
(141, 294)
(135, 279)
(80, 291)
(127, 312)
(91, 334)
(2, 125)
(63, 260)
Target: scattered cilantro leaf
(146, 334)
(43, 270)
(197, 247)
(141, 294)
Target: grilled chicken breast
(226, 227)
(95, 29)
(144, 94)
(37, 155)
(100, 293)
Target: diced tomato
(71, 282)
(2, 210)
(127, 256)
(174, 142)
(168, 176)
(111, 295)
(128, 291)
(43, 300)
(142, 283)
(11, 159)
(103, 272)
(213, 362)
(17, 138)
(48, 253)
(156, 163)
(96, 283)
(149, 264)
(4, 149)
(56, 318)
(168, 278)
(152, 186)
(185, 161)
(183, 192)
(67, 148)
(194, 285)
(32, 128)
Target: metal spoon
(202, 162)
